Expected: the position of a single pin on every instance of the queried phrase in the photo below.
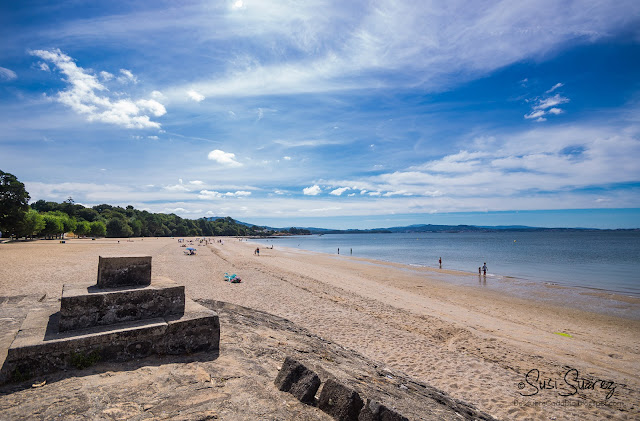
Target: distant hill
(420, 228)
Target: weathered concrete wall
(124, 271)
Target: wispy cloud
(209, 194)
(554, 87)
(423, 42)
(127, 77)
(7, 74)
(547, 105)
(306, 142)
(82, 96)
(339, 191)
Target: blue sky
(328, 113)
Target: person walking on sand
(484, 268)
(440, 262)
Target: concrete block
(124, 271)
(298, 380)
(374, 411)
(339, 401)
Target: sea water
(608, 261)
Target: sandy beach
(499, 352)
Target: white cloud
(338, 47)
(397, 193)
(554, 87)
(195, 96)
(310, 142)
(176, 210)
(535, 114)
(225, 158)
(7, 74)
(152, 106)
(339, 191)
(210, 194)
(543, 104)
(312, 191)
(239, 194)
(106, 76)
(82, 97)
(196, 182)
(157, 95)
(177, 187)
(127, 76)
(286, 158)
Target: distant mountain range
(427, 228)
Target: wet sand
(478, 344)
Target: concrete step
(39, 346)
(83, 306)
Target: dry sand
(476, 344)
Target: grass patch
(81, 360)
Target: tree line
(52, 220)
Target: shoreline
(609, 268)
(601, 300)
(475, 343)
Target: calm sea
(598, 260)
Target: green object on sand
(563, 334)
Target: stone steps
(39, 347)
(87, 306)
(126, 315)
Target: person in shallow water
(484, 268)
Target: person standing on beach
(484, 268)
(440, 262)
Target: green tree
(69, 224)
(32, 223)
(14, 204)
(136, 227)
(87, 214)
(53, 225)
(68, 207)
(98, 229)
(83, 228)
(117, 227)
(44, 206)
